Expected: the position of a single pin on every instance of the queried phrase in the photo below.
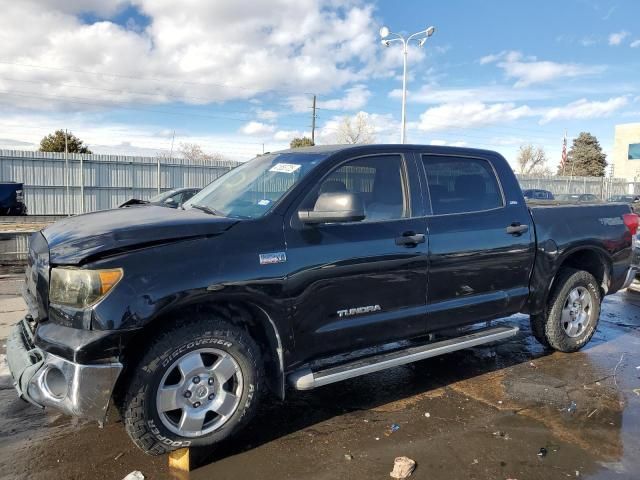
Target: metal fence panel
(106, 180)
(602, 187)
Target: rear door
(360, 283)
(481, 244)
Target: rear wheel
(197, 384)
(572, 314)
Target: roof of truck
(331, 149)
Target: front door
(362, 283)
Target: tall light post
(421, 38)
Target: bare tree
(356, 129)
(532, 161)
(194, 153)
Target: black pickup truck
(302, 268)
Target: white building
(626, 152)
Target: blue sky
(231, 76)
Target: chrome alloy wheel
(577, 311)
(199, 392)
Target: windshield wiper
(208, 210)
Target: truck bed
(564, 227)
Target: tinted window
(460, 185)
(377, 180)
(188, 194)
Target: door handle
(517, 229)
(410, 239)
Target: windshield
(251, 190)
(161, 196)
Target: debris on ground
(543, 452)
(392, 429)
(427, 414)
(135, 475)
(589, 416)
(403, 467)
(348, 456)
(573, 406)
(119, 455)
(636, 391)
(501, 434)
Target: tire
(572, 313)
(537, 329)
(194, 357)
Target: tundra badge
(269, 258)
(359, 310)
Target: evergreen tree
(301, 142)
(55, 143)
(585, 158)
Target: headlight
(80, 288)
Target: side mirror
(334, 207)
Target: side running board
(306, 379)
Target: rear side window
(461, 185)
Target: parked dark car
(302, 267)
(633, 200)
(537, 194)
(12, 199)
(577, 197)
(174, 198)
(171, 198)
(625, 198)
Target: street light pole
(404, 90)
(421, 38)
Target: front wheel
(197, 384)
(572, 313)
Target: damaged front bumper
(47, 380)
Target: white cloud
(438, 142)
(287, 45)
(583, 108)
(635, 43)
(618, 37)
(288, 135)
(257, 128)
(435, 94)
(588, 41)
(268, 115)
(24, 131)
(355, 98)
(470, 115)
(529, 71)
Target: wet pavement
(483, 413)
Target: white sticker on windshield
(264, 202)
(284, 167)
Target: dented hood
(74, 240)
